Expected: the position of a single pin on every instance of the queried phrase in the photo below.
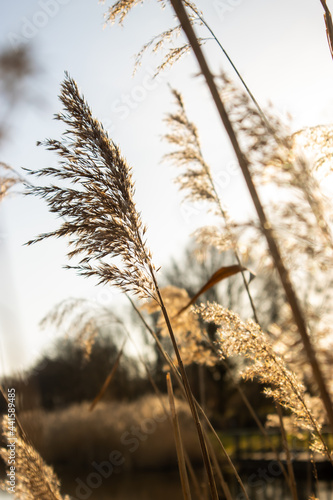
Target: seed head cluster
(96, 203)
(33, 478)
(238, 338)
(119, 11)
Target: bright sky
(279, 47)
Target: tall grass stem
(178, 441)
(265, 225)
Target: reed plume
(238, 338)
(33, 478)
(329, 25)
(101, 219)
(98, 211)
(8, 179)
(280, 159)
(195, 179)
(120, 10)
(198, 184)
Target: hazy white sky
(280, 48)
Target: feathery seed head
(100, 216)
(8, 178)
(33, 478)
(119, 10)
(246, 339)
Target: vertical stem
(219, 474)
(256, 419)
(202, 392)
(178, 440)
(189, 395)
(160, 398)
(329, 25)
(181, 386)
(266, 227)
(292, 481)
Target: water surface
(166, 486)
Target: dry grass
(101, 219)
(76, 436)
(93, 193)
(8, 179)
(235, 337)
(33, 477)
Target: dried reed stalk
(288, 457)
(255, 102)
(265, 224)
(176, 373)
(329, 25)
(178, 441)
(238, 338)
(101, 219)
(197, 179)
(159, 395)
(33, 478)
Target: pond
(166, 486)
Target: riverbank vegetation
(252, 336)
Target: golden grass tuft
(33, 478)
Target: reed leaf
(108, 379)
(220, 275)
